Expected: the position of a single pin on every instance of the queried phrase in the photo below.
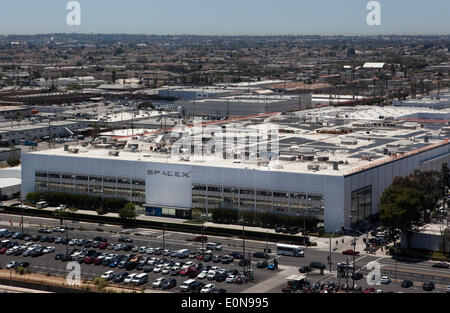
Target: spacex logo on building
(168, 173)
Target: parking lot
(114, 256)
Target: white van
(140, 279)
(41, 204)
(213, 246)
(183, 253)
(186, 286)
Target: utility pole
(243, 247)
(67, 239)
(21, 210)
(354, 263)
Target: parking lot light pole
(329, 258)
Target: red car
(369, 290)
(201, 238)
(88, 260)
(199, 257)
(350, 252)
(3, 250)
(98, 261)
(103, 245)
(183, 271)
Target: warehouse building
(244, 105)
(332, 164)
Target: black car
(147, 268)
(197, 286)
(261, 264)
(216, 259)
(441, 265)
(357, 276)
(120, 277)
(219, 277)
(304, 269)
(278, 229)
(127, 248)
(168, 283)
(207, 258)
(231, 272)
(294, 230)
(58, 256)
(407, 283)
(23, 264)
(260, 255)
(220, 290)
(317, 265)
(65, 257)
(237, 255)
(428, 286)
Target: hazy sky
(226, 17)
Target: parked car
(428, 286)
(407, 283)
(169, 283)
(385, 280)
(120, 277)
(108, 275)
(271, 266)
(157, 282)
(129, 278)
(209, 288)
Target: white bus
(290, 250)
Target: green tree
(400, 210)
(128, 212)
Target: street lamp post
(329, 258)
(354, 254)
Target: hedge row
(81, 202)
(224, 216)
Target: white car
(448, 289)
(202, 275)
(385, 280)
(108, 275)
(129, 278)
(157, 282)
(142, 249)
(211, 275)
(12, 264)
(158, 269)
(231, 279)
(149, 251)
(165, 270)
(49, 250)
(208, 288)
(60, 207)
(59, 229)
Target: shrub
(78, 201)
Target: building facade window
(361, 206)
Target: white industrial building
(332, 164)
